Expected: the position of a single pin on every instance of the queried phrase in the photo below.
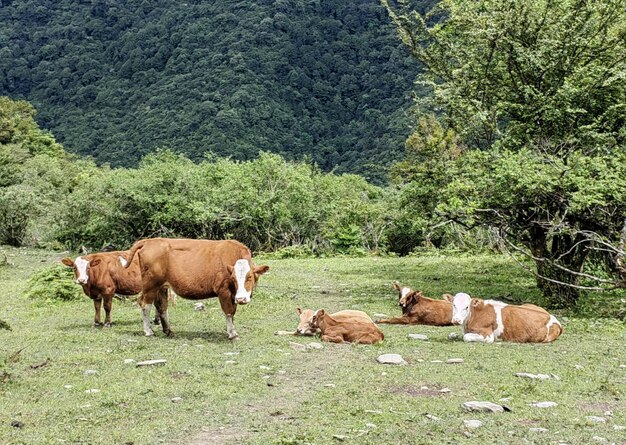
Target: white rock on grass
(432, 417)
(297, 346)
(391, 359)
(314, 345)
(418, 337)
(90, 372)
(232, 353)
(544, 404)
(92, 391)
(599, 439)
(596, 419)
(538, 430)
(445, 390)
(484, 407)
(265, 368)
(453, 336)
(472, 424)
(128, 361)
(526, 375)
(619, 427)
(455, 361)
(198, 307)
(176, 399)
(152, 362)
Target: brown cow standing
(195, 270)
(489, 320)
(346, 326)
(102, 275)
(418, 309)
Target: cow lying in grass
(346, 326)
(102, 276)
(489, 320)
(418, 309)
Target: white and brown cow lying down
(418, 309)
(305, 327)
(489, 320)
(345, 326)
(195, 270)
(101, 276)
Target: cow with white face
(195, 270)
(489, 320)
(102, 276)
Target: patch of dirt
(419, 391)
(218, 436)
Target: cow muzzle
(81, 281)
(242, 300)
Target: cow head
(306, 318)
(407, 297)
(317, 316)
(81, 268)
(461, 307)
(244, 276)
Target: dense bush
(53, 283)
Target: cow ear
(260, 270)
(299, 311)
(396, 286)
(230, 269)
(68, 262)
(95, 262)
(448, 297)
(475, 302)
(320, 312)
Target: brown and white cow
(418, 309)
(195, 270)
(346, 326)
(101, 276)
(489, 320)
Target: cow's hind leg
(97, 305)
(145, 303)
(160, 305)
(108, 303)
(229, 308)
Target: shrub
(53, 284)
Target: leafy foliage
(53, 284)
(115, 80)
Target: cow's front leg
(229, 308)
(396, 320)
(108, 303)
(97, 305)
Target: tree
(536, 92)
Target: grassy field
(259, 390)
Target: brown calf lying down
(195, 270)
(418, 309)
(489, 320)
(102, 275)
(346, 326)
(306, 317)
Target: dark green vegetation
(531, 139)
(43, 360)
(116, 80)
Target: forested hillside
(117, 79)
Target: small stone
(371, 425)
(177, 399)
(266, 377)
(472, 424)
(391, 359)
(128, 361)
(532, 376)
(282, 372)
(538, 430)
(92, 391)
(230, 362)
(231, 353)
(619, 427)
(90, 372)
(383, 374)
(445, 390)
(339, 437)
(329, 385)
(67, 386)
(599, 439)
(436, 361)
(17, 424)
(297, 346)
(579, 367)
(418, 337)
(453, 336)
(622, 366)
(373, 411)
(454, 361)
(152, 362)
(433, 418)
(488, 407)
(504, 399)
(608, 413)
(314, 345)
(596, 419)
(265, 368)
(544, 404)
(198, 307)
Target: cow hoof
(107, 325)
(97, 325)
(156, 322)
(149, 334)
(169, 333)
(233, 337)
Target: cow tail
(133, 250)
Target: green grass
(290, 403)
